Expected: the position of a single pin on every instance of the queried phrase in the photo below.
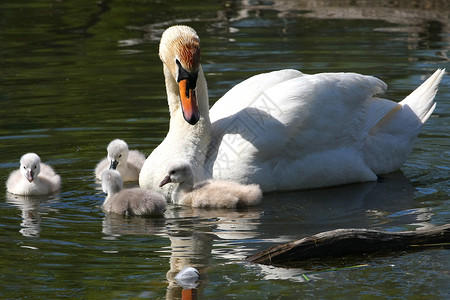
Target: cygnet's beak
(113, 165)
(188, 102)
(30, 175)
(165, 181)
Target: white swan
(210, 193)
(33, 177)
(284, 130)
(130, 202)
(128, 163)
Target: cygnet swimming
(33, 177)
(130, 202)
(127, 162)
(210, 193)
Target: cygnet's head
(111, 182)
(30, 166)
(178, 171)
(117, 153)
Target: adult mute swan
(33, 177)
(209, 193)
(130, 202)
(128, 163)
(283, 130)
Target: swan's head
(111, 182)
(117, 153)
(179, 51)
(178, 171)
(30, 166)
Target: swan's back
(223, 194)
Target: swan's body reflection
(32, 208)
(196, 235)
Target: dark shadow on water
(364, 205)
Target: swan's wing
(308, 117)
(393, 127)
(309, 112)
(245, 93)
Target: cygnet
(128, 163)
(210, 193)
(130, 202)
(33, 177)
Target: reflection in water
(117, 225)
(32, 208)
(192, 232)
(387, 204)
(197, 234)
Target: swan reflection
(32, 207)
(199, 235)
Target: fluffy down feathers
(210, 193)
(130, 202)
(33, 177)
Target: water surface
(77, 74)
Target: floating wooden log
(341, 242)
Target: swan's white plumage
(130, 202)
(209, 193)
(287, 130)
(33, 177)
(129, 162)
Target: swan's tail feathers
(421, 100)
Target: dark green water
(76, 74)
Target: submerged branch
(342, 242)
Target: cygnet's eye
(120, 155)
(24, 167)
(172, 172)
(35, 167)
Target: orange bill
(188, 102)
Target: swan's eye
(24, 167)
(184, 74)
(120, 155)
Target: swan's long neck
(181, 132)
(182, 189)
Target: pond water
(77, 74)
